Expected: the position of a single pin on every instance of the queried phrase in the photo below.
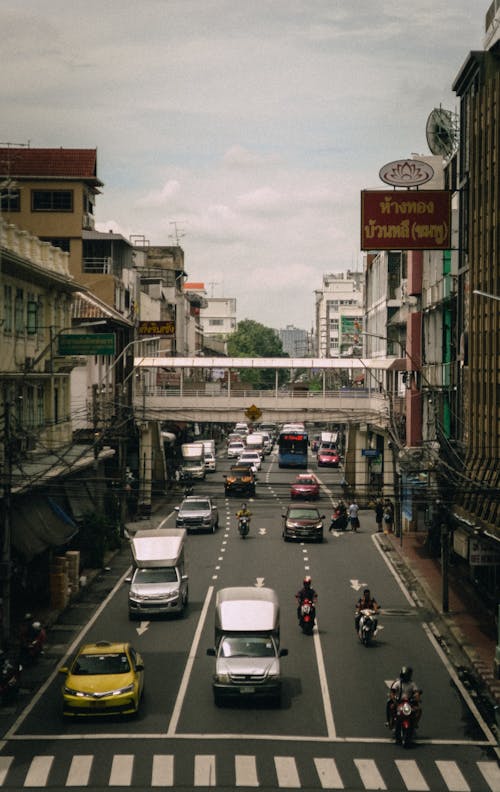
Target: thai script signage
(160, 328)
(86, 344)
(481, 554)
(405, 220)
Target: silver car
(197, 513)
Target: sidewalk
(467, 619)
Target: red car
(306, 485)
(328, 457)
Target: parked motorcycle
(404, 721)
(243, 526)
(33, 642)
(10, 678)
(307, 616)
(367, 628)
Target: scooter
(338, 520)
(243, 526)
(367, 626)
(10, 679)
(404, 721)
(33, 643)
(307, 616)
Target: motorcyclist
(404, 687)
(305, 593)
(244, 513)
(366, 602)
(339, 516)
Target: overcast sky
(247, 127)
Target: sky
(243, 130)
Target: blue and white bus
(293, 443)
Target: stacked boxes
(59, 584)
(73, 559)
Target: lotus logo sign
(406, 173)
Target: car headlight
(224, 679)
(71, 692)
(120, 691)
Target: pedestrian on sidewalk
(353, 511)
(379, 514)
(388, 515)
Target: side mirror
(176, 508)
(211, 652)
(63, 670)
(224, 476)
(184, 577)
(139, 667)
(128, 580)
(283, 652)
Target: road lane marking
(491, 774)
(5, 763)
(245, 770)
(162, 774)
(376, 541)
(79, 771)
(38, 773)
(204, 770)
(174, 720)
(286, 772)
(452, 776)
(328, 774)
(121, 770)
(369, 774)
(411, 775)
(323, 682)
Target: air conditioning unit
(88, 222)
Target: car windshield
(200, 505)
(303, 514)
(93, 664)
(163, 575)
(305, 481)
(247, 646)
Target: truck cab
(159, 584)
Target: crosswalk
(285, 772)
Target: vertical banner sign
(405, 220)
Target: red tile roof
(49, 163)
(194, 286)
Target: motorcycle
(10, 679)
(404, 721)
(307, 616)
(338, 520)
(33, 643)
(367, 628)
(243, 526)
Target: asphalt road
(329, 731)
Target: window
(7, 309)
(213, 322)
(19, 312)
(60, 242)
(32, 315)
(10, 200)
(52, 200)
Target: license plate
(99, 704)
(247, 690)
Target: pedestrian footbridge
(204, 389)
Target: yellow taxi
(103, 679)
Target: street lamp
(486, 294)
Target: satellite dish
(442, 132)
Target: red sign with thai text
(157, 328)
(405, 220)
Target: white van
(159, 584)
(247, 644)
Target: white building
(339, 315)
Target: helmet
(405, 674)
(36, 626)
(366, 592)
(307, 581)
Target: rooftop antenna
(177, 235)
(212, 284)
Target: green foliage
(252, 339)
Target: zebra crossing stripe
(38, 773)
(245, 770)
(491, 774)
(369, 774)
(328, 774)
(286, 772)
(411, 775)
(204, 770)
(79, 771)
(121, 770)
(162, 774)
(5, 763)
(452, 776)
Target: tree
(252, 339)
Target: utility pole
(6, 523)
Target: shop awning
(38, 523)
(79, 498)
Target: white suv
(251, 456)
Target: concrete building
(295, 341)
(338, 313)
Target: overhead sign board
(406, 173)
(160, 328)
(405, 219)
(86, 344)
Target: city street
(329, 731)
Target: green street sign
(86, 344)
